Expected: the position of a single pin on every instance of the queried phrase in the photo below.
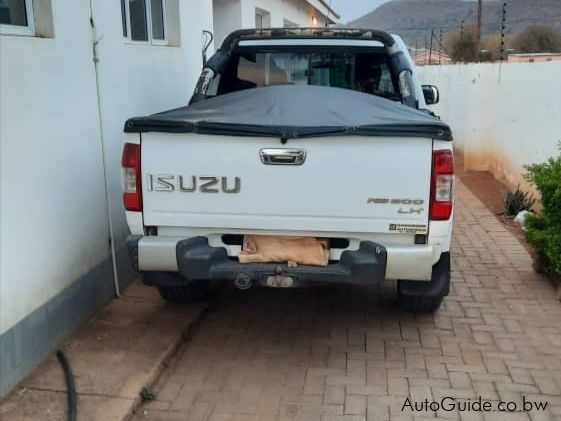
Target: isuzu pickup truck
(304, 137)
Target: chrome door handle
(282, 156)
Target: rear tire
(192, 292)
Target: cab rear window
(359, 71)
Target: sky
(353, 9)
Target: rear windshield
(362, 71)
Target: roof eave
(329, 11)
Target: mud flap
(438, 287)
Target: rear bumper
(195, 258)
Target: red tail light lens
(132, 178)
(442, 185)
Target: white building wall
(54, 226)
(227, 18)
(55, 256)
(503, 116)
(54, 223)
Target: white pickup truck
(308, 133)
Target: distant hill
(413, 19)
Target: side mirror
(431, 94)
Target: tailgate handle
(282, 156)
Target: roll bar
(218, 62)
(233, 39)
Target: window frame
(20, 30)
(148, 13)
(259, 16)
(154, 41)
(265, 17)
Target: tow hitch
(279, 280)
(243, 281)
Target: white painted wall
(53, 225)
(227, 18)
(503, 116)
(138, 79)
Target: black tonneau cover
(289, 112)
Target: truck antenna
(205, 47)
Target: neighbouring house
(230, 15)
(71, 73)
(533, 57)
(424, 57)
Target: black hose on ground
(70, 385)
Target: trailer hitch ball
(242, 281)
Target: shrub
(544, 230)
(538, 39)
(517, 202)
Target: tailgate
(344, 184)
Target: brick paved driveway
(342, 353)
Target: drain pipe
(95, 43)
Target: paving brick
(355, 405)
(343, 418)
(366, 390)
(376, 377)
(314, 385)
(334, 395)
(345, 380)
(437, 371)
(460, 380)
(549, 386)
(398, 386)
(496, 366)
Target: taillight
(442, 184)
(132, 179)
